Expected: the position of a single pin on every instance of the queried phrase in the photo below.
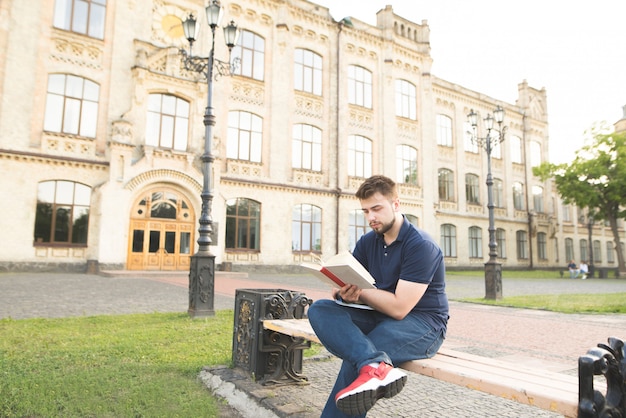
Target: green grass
(147, 365)
(571, 303)
(510, 274)
(111, 366)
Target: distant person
(573, 269)
(583, 269)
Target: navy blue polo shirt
(415, 257)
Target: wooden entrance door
(161, 232)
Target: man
(410, 307)
(584, 269)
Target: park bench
(283, 331)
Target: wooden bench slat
(545, 389)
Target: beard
(384, 228)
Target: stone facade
(139, 57)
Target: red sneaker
(372, 384)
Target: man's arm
(396, 305)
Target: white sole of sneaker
(362, 399)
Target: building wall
(139, 56)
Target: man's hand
(349, 293)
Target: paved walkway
(537, 338)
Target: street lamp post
(202, 268)
(494, 136)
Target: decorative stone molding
(76, 50)
(153, 176)
(361, 118)
(69, 146)
(308, 105)
(308, 178)
(248, 92)
(244, 168)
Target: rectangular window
(85, 17)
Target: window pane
(53, 121)
(96, 21)
(79, 22)
(89, 119)
(71, 118)
(62, 14)
(185, 243)
(62, 223)
(82, 195)
(64, 192)
(80, 225)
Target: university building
(101, 133)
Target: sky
(575, 50)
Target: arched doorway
(161, 231)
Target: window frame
(301, 224)
(244, 140)
(360, 157)
(472, 189)
(360, 91)
(52, 205)
(444, 130)
(247, 226)
(308, 71)
(406, 160)
(250, 50)
(72, 104)
(172, 131)
(406, 99)
(89, 22)
(448, 240)
(445, 184)
(306, 152)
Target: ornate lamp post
(494, 136)
(202, 269)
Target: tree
(595, 180)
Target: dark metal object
(271, 357)
(610, 362)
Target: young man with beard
(409, 312)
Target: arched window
(448, 240)
(406, 99)
(516, 149)
(245, 136)
(470, 146)
(62, 215)
(518, 196)
(243, 224)
(357, 226)
(444, 131)
(472, 189)
(538, 199)
(522, 244)
(359, 156)
(406, 164)
(446, 184)
(542, 246)
(475, 242)
(71, 105)
(359, 86)
(308, 71)
(250, 50)
(569, 249)
(306, 228)
(167, 122)
(306, 152)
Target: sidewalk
(539, 339)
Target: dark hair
(383, 185)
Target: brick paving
(532, 337)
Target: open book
(340, 270)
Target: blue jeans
(360, 337)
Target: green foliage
(111, 366)
(596, 179)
